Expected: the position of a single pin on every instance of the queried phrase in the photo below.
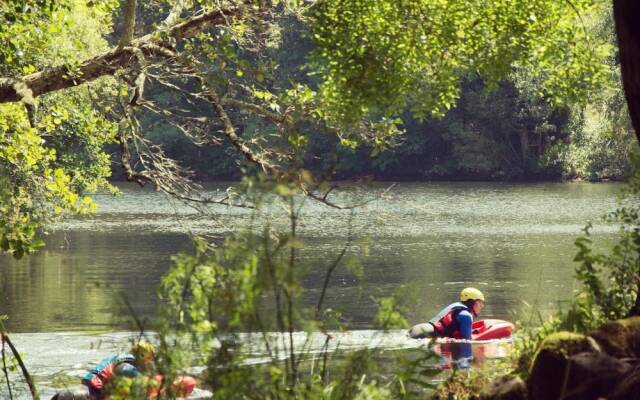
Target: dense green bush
(611, 279)
(245, 294)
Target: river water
(515, 242)
(425, 240)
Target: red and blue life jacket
(445, 323)
(97, 378)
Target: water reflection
(79, 280)
(465, 355)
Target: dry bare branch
(174, 13)
(279, 119)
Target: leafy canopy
(382, 56)
(372, 60)
(47, 169)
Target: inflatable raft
(487, 329)
(490, 329)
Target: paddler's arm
(128, 370)
(465, 320)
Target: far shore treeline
(491, 135)
(494, 132)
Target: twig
(325, 357)
(327, 277)
(174, 13)
(293, 218)
(138, 322)
(6, 372)
(584, 26)
(23, 368)
(276, 288)
(323, 198)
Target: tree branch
(174, 13)
(280, 119)
(108, 63)
(32, 110)
(129, 24)
(25, 373)
(125, 157)
(230, 131)
(6, 371)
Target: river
(515, 242)
(426, 240)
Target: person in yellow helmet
(140, 358)
(139, 361)
(455, 320)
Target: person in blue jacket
(130, 365)
(453, 321)
(139, 362)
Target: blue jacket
(99, 377)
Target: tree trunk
(129, 23)
(524, 145)
(626, 14)
(635, 310)
(540, 146)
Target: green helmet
(471, 294)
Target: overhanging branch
(108, 63)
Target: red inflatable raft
(486, 329)
(489, 329)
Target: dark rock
(593, 375)
(72, 394)
(620, 338)
(577, 367)
(588, 375)
(629, 388)
(549, 372)
(506, 388)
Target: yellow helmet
(471, 294)
(142, 349)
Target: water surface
(426, 240)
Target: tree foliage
(612, 279)
(51, 151)
(381, 56)
(212, 70)
(245, 296)
(601, 137)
